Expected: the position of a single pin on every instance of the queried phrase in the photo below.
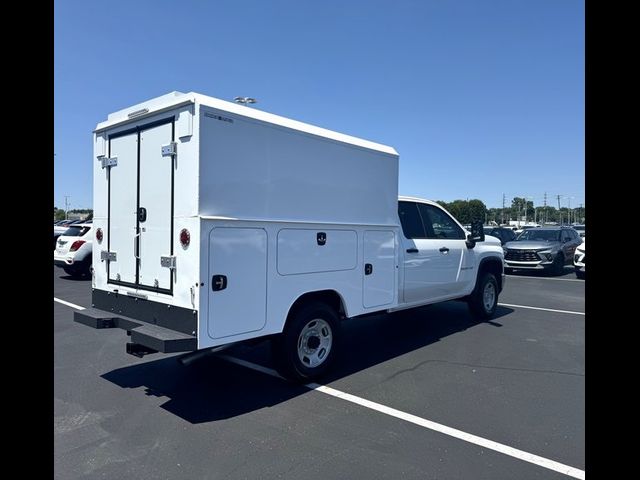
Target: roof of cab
(175, 99)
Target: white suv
(73, 250)
(579, 260)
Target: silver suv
(544, 248)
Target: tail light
(99, 235)
(76, 245)
(185, 237)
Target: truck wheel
(308, 345)
(484, 299)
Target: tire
(557, 268)
(72, 272)
(308, 345)
(580, 274)
(483, 301)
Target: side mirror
(477, 234)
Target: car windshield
(75, 231)
(537, 234)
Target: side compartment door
(122, 201)
(379, 281)
(238, 281)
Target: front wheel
(484, 299)
(557, 268)
(308, 345)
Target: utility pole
(66, 207)
(559, 211)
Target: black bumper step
(157, 338)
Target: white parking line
(68, 304)
(407, 417)
(540, 308)
(437, 427)
(547, 278)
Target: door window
(412, 226)
(438, 224)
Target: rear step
(146, 337)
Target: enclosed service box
(215, 217)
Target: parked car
(542, 248)
(579, 260)
(504, 234)
(73, 251)
(580, 229)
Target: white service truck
(216, 223)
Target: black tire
(580, 274)
(293, 357)
(479, 308)
(72, 272)
(557, 268)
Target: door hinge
(108, 162)
(170, 150)
(168, 261)
(108, 256)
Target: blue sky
(479, 97)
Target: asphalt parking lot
(517, 380)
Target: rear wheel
(484, 299)
(308, 345)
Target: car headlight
(545, 253)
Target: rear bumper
(156, 326)
(154, 337)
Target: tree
(466, 211)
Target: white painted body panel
(121, 235)
(155, 196)
(253, 190)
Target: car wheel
(484, 299)
(557, 267)
(307, 346)
(72, 272)
(580, 274)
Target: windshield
(537, 234)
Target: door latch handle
(218, 282)
(444, 250)
(368, 269)
(412, 250)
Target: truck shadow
(213, 389)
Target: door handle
(412, 250)
(368, 269)
(218, 282)
(444, 250)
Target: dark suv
(503, 234)
(544, 248)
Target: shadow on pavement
(212, 389)
(569, 272)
